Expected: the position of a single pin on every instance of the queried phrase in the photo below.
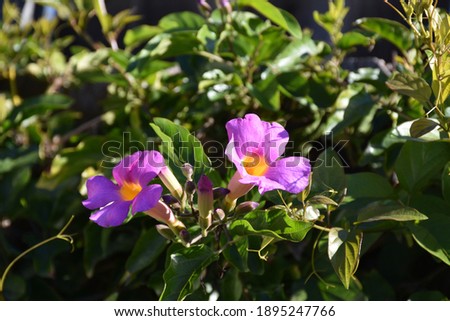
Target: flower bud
(219, 214)
(226, 4)
(246, 207)
(171, 182)
(205, 202)
(189, 187)
(204, 6)
(220, 192)
(169, 199)
(311, 213)
(165, 232)
(188, 171)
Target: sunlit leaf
(279, 16)
(410, 85)
(391, 30)
(271, 223)
(344, 248)
(184, 269)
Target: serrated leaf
(422, 126)
(410, 85)
(271, 223)
(391, 30)
(184, 269)
(344, 248)
(146, 250)
(389, 210)
(279, 16)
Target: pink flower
(255, 148)
(132, 192)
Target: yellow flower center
(128, 191)
(255, 165)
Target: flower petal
(101, 191)
(252, 135)
(121, 172)
(290, 174)
(147, 198)
(111, 215)
(147, 166)
(140, 167)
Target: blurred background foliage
(72, 103)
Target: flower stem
(60, 236)
(321, 228)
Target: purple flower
(132, 191)
(255, 147)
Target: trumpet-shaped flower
(132, 191)
(255, 148)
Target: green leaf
(148, 248)
(296, 52)
(446, 182)
(40, 105)
(10, 161)
(179, 145)
(231, 286)
(174, 44)
(185, 20)
(433, 236)
(321, 199)
(328, 175)
(278, 16)
(352, 39)
(391, 30)
(410, 85)
(422, 126)
(389, 210)
(357, 106)
(103, 16)
(236, 253)
(271, 223)
(368, 185)
(184, 269)
(267, 93)
(419, 162)
(139, 34)
(344, 248)
(294, 83)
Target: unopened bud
(188, 171)
(171, 182)
(169, 199)
(189, 187)
(220, 192)
(219, 214)
(246, 207)
(311, 213)
(165, 232)
(226, 4)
